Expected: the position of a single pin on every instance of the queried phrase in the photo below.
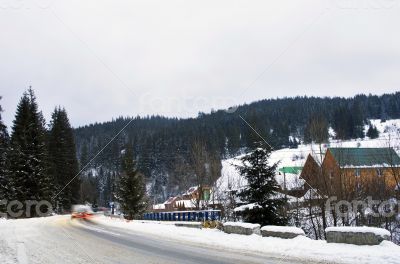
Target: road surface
(77, 241)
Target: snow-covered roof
(365, 157)
(191, 190)
(170, 200)
(158, 206)
(310, 194)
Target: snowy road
(60, 240)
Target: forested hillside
(162, 146)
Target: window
(357, 172)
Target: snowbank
(299, 249)
(241, 224)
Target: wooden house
(353, 172)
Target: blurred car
(81, 211)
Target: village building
(351, 172)
(189, 200)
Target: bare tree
(318, 132)
(183, 175)
(207, 169)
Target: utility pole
(285, 190)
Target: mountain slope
(163, 145)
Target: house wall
(334, 182)
(311, 173)
(351, 183)
(371, 183)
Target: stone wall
(191, 225)
(286, 234)
(241, 228)
(355, 238)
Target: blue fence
(202, 215)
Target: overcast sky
(105, 58)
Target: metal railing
(201, 215)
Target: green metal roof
(293, 170)
(365, 157)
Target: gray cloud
(102, 59)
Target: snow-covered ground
(38, 240)
(301, 248)
(389, 136)
(52, 240)
(8, 245)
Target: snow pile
(299, 249)
(359, 229)
(283, 229)
(241, 224)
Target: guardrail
(201, 215)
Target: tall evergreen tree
(358, 120)
(262, 189)
(63, 162)
(4, 140)
(29, 179)
(372, 132)
(131, 188)
(342, 123)
(84, 157)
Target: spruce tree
(131, 188)
(84, 157)
(372, 132)
(63, 162)
(4, 140)
(262, 189)
(29, 179)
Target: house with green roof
(352, 171)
